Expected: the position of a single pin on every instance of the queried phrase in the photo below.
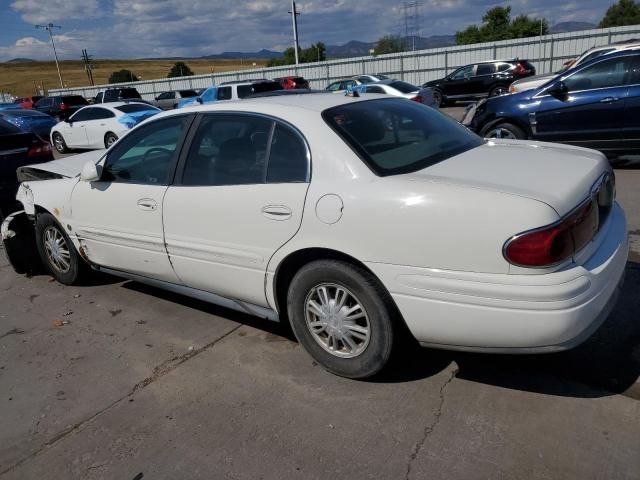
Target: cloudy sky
(154, 28)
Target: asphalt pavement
(115, 380)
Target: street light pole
(48, 28)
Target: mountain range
(356, 48)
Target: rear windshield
(135, 107)
(74, 100)
(395, 136)
(188, 93)
(404, 87)
(129, 93)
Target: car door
(97, 127)
(455, 85)
(630, 133)
(238, 197)
(592, 112)
(118, 219)
(480, 83)
(75, 128)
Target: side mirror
(199, 99)
(68, 120)
(90, 172)
(558, 90)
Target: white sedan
(99, 126)
(398, 88)
(353, 219)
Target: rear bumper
(511, 313)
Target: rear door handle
(147, 204)
(277, 212)
(609, 99)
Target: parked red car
(27, 102)
(289, 83)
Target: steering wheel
(149, 168)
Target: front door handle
(609, 100)
(277, 212)
(147, 204)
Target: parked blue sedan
(596, 105)
(30, 121)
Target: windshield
(394, 136)
(135, 107)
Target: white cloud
(39, 11)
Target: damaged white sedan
(353, 219)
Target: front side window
(404, 87)
(210, 94)
(166, 96)
(147, 154)
(609, 73)
(348, 84)
(393, 136)
(334, 87)
(461, 73)
(224, 93)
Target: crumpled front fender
(19, 239)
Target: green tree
(123, 76)
(498, 25)
(390, 44)
(316, 52)
(180, 69)
(625, 12)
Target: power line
(49, 27)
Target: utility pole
(294, 16)
(48, 28)
(540, 51)
(87, 66)
(411, 21)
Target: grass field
(25, 78)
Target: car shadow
(608, 363)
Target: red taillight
(63, 106)
(39, 150)
(417, 98)
(554, 244)
(520, 69)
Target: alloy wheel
(57, 250)
(337, 320)
(501, 133)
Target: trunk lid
(559, 175)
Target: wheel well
(109, 133)
(493, 123)
(296, 260)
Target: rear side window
(375, 89)
(486, 69)
(188, 93)
(288, 158)
(244, 91)
(404, 87)
(503, 67)
(393, 136)
(129, 93)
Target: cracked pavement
(144, 382)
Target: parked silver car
(169, 100)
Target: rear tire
(498, 90)
(505, 130)
(59, 143)
(343, 317)
(110, 139)
(438, 99)
(57, 252)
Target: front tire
(505, 130)
(57, 252)
(343, 317)
(59, 143)
(110, 139)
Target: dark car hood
(433, 83)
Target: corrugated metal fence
(547, 53)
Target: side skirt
(208, 297)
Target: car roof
(303, 102)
